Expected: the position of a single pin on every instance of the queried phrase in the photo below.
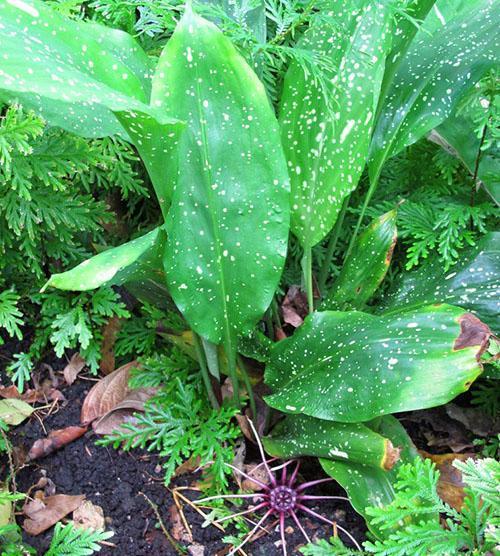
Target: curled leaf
(56, 439)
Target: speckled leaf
(81, 64)
(228, 224)
(472, 283)
(458, 137)
(402, 38)
(437, 69)
(138, 262)
(326, 128)
(301, 435)
(83, 77)
(366, 266)
(367, 485)
(352, 366)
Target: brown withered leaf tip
(388, 257)
(391, 457)
(473, 333)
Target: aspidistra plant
(222, 164)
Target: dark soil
(115, 480)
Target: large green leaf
(472, 283)
(439, 66)
(366, 266)
(367, 485)
(301, 435)
(326, 124)
(406, 30)
(228, 224)
(86, 78)
(138, 262)
(352, 366)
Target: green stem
(231, 371)
(332, 244)
(269, 323)
(248, 385)
(204, 371)
(308, 279)
(368, 198)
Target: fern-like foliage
(324, 548)
(411, 522)
(10, 315)
(179, 424)
(69, 540)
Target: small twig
(168, 536)
(182, 516)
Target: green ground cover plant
(282, 142)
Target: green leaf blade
(366, 266)
(326, 126)
(472, 283)
(439, 67)
(138, 262)
(352, 367)
(222, 272)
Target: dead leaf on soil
(31, 396)
(42, 514)
(5, 509)
(109, 335)
(106, 394)
(474, 419)
(56, 439)
(73, 368)
(179, 532)
(294, 307)
(188, 466)
(89, 516)
(123, 412)
(256, 472)
(13, 411)
(450, 485)
(196, 549)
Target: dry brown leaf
(89, 516)
(56, 439)
(42, 514)
(110, 332)
(124, 411)
(73, 368)
(188, 466)
(253, 470)
(106, 394)
(196, 549)
(10, 392)
(178, 530)
(450, 486)
(294, 307)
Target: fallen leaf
(42, 514)
(256, 471)
(279, 333)
(450, 486)
(5, 509)
(14, 412)
(56, 439)
(10, 392)
(89, 516)
(474, 419)
(196, 549)
(294, 307)
(124, 411)
(73, 368)
(188, 466)
(110, 332)
(179, 532)
(31, 396)
(106, 394)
